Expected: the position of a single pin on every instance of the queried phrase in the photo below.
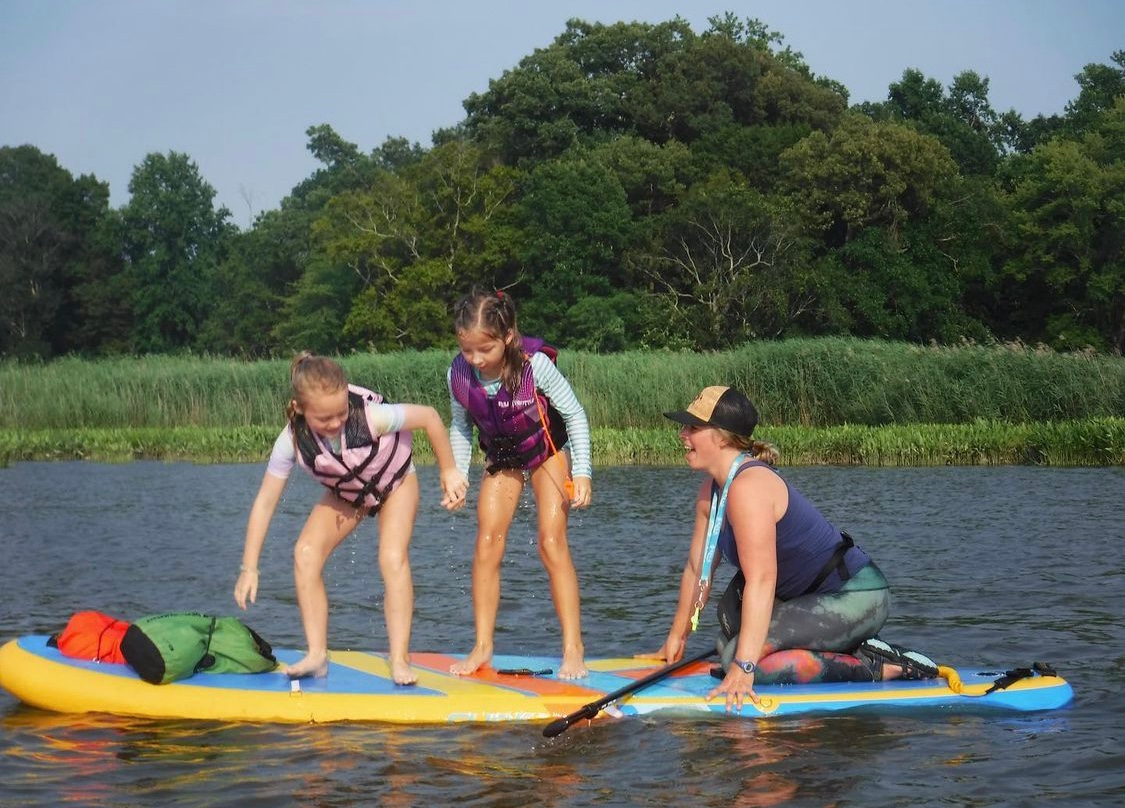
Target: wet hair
(494, 313)
(310, 374)
(758, 449)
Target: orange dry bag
(93, 636)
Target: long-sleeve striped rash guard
(555, 386)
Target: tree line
(632, 185)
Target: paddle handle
(589, 711)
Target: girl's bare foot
(481, 655)
(402, 673)
(312, 666)
(573, 665)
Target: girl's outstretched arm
(261, 514)
(454, 485)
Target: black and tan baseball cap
(723, 407)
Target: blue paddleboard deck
(515, 688)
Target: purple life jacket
(367, 468)
(510, 429)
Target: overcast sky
(235, 83)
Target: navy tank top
(806, 542)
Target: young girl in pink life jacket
(359, 447)
(531, 427)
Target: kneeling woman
(806, 603)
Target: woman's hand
(736, 686)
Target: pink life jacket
(510, 429)
(368, 467)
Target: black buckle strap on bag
(836, 562)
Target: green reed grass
(812, 382)
(835, 390)
(1091, 442)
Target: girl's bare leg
(496, 505)
(329, 523)
(396, 523)
(553, 507)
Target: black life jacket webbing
(836, 562)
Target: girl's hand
(582, 492)
(737, 686)
(246, 587)
(455, 488)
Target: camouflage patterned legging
(811, 637)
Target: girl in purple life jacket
(531, 427)
(359, 448)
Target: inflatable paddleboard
(516, 688)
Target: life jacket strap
(836, 562)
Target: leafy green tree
(261, 268)
(1067, 255)
(312, 316)
(863, 174)
(31, 245)
(879, 197)
(900, 286)
(174, 240)
(619, 321)
(729, 264)
(48, 249)
(575, 222)
(658, 82)
(278, 291)
(653, 176)
(98, 316)
(410, 239)
(1099, 87)
(753, 151)
(964, 120)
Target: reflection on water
(989, 566)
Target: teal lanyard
(714, 527)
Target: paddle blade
(556, 727)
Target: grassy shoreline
(823, 401)
(1087, 442)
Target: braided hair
(494, 313)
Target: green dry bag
(166, 647)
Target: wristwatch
(747, 667)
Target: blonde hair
(309, 374)
(758, 449)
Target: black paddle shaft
(560, 725)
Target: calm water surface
(990, 566)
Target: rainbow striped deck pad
(359, 688)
